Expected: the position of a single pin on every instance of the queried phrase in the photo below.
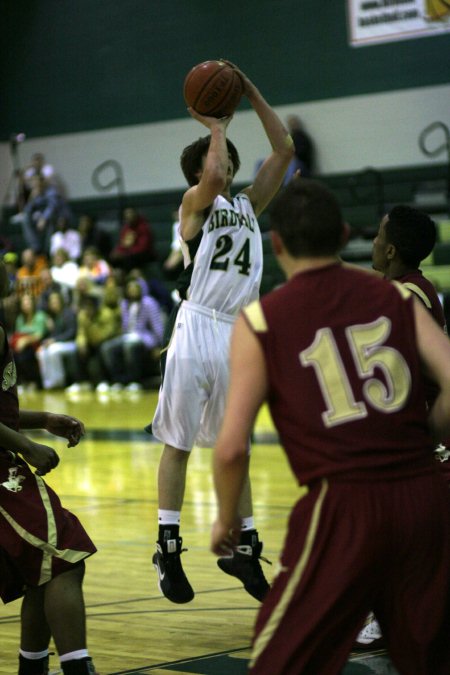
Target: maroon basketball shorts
(39, 539)
(352, 547)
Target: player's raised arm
(270, 176)
(211, 179)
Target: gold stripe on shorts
(279, 610)
(46, 567)
(48, 548)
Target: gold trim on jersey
(278, 612)
(404, 292)
(256, 317)
(419, 292)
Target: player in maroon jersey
(405, 237)
(338, 354)
(42, 545)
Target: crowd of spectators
(84, 311)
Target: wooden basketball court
(109, 481)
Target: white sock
(166, 517)
(73, 656)
(33, 656)
(247, 523)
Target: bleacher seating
(364, 197)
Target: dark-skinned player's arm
(434, 350)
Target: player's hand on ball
(246, 82)
(210, 121)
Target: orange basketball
(213, 88)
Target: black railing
(107, 176)
(427, 136)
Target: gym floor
(109, 481)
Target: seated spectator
(67, 238)
(44, 208)
(117, 279)
(9, 305)
(64, 271)
(133, 355)
(60, 341)
(85, 288)
(93, 267)
(30, 329)
(5, 244)
(136, 274)
(97, 321)
(39, 167)
(135, 247)
(28, 277)
(11, 260)
(92, 235)
(49, 285)
(154, 287)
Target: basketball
(213, 88)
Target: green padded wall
(68, 66)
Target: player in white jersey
(222, 248)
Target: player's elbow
(217, 180)
(230, 453)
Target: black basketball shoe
(244, 565)
(172, 580)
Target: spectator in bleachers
(43, 210)
(49, 285)
(36, 167)
(30, 329)
(98, 320)
(92, 235)
(134, 354)
(135, 247)
(64, 271)
(93, 267)
(39, 167)
(66, 237)
(137, 274)
(9, 305)
(11, 260)
(5, 244)
(155, 287)
(59, 341)
(28, 278)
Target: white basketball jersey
(228, 263)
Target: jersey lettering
(369, 351)
(224, 244)
(229, 218)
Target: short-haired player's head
(308, 219)
(412, 232)
(191, 159)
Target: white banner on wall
(374, 21)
